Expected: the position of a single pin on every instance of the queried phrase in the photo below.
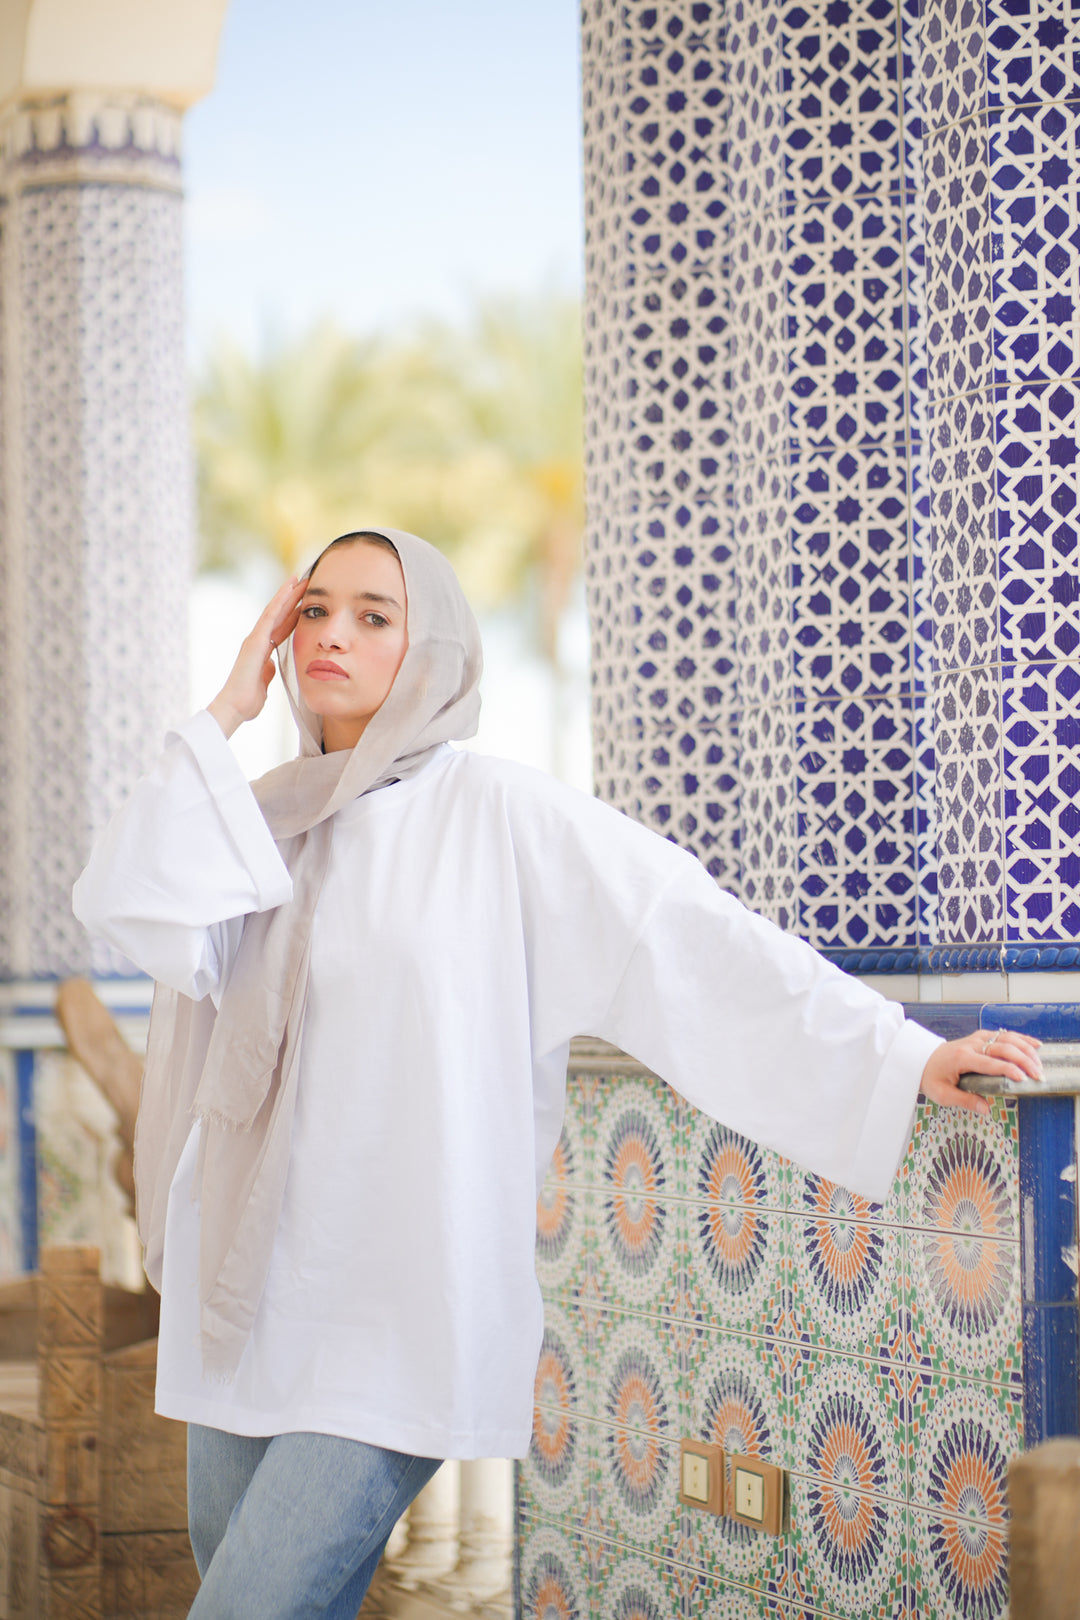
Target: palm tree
(518, 367)
(519, 371)
(292, 446)
(470, 436)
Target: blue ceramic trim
(1048, 1232)
(1053, 1021)
(1049, 1021)
(886, 960)
(1050, 1386)
(950, 1019)
(1041, 958)
(134, 979)
(958, 959)
(964, 959)
(29, 998)
(27, 1140)
(1047, 1202)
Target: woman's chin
(322, 698)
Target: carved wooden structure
(1044, 1557)
(92, 1483)
(95, 1039)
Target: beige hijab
(236, 1071)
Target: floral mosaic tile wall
(696, 1285)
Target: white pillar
(399, 1539)
(485, 1527)
(94, 461)
(432, 1547)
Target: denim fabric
(294, 1525)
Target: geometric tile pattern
(833, 269)
(1032, 154)
(1041, 757)
(970, 825)
(1037, 532)
(1003, 282)
(956, 208)
(857, 821)
(756, 536)
(964, 591)
(873, 1350)
(98, 522)
(1030, 55)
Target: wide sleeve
(759, 1031)
(631, 940)
(182, 863)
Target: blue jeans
(291, 1526)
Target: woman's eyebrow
(359, 596)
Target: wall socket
(701, 1476)
(756, 1494)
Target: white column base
(485, 1523)
(431, 1549)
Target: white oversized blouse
(474, 918)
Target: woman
(370, 966)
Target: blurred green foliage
(470, 436)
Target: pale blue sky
(372, 159)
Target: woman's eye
(312, 611)
(378, 621)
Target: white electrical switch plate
(750, 1495)
(695, 1477)
(758, 1494)
(701, 1476)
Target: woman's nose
(332, 630)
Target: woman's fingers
(285, 626)
(244, 693)
(270, 626)
(1004, 1047)
(998, 1052)
(287, 604)
(947, 1094)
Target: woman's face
(350, 638)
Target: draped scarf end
(221, 1344)
(218, 1118)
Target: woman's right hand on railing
(244, 693)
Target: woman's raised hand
(244, 693)
(999, 1051)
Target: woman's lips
(321, 670)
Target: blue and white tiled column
(756, 409)
(95, 560)
(95, 486)
(661, 566)
(96, 494)
(1001, 108)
